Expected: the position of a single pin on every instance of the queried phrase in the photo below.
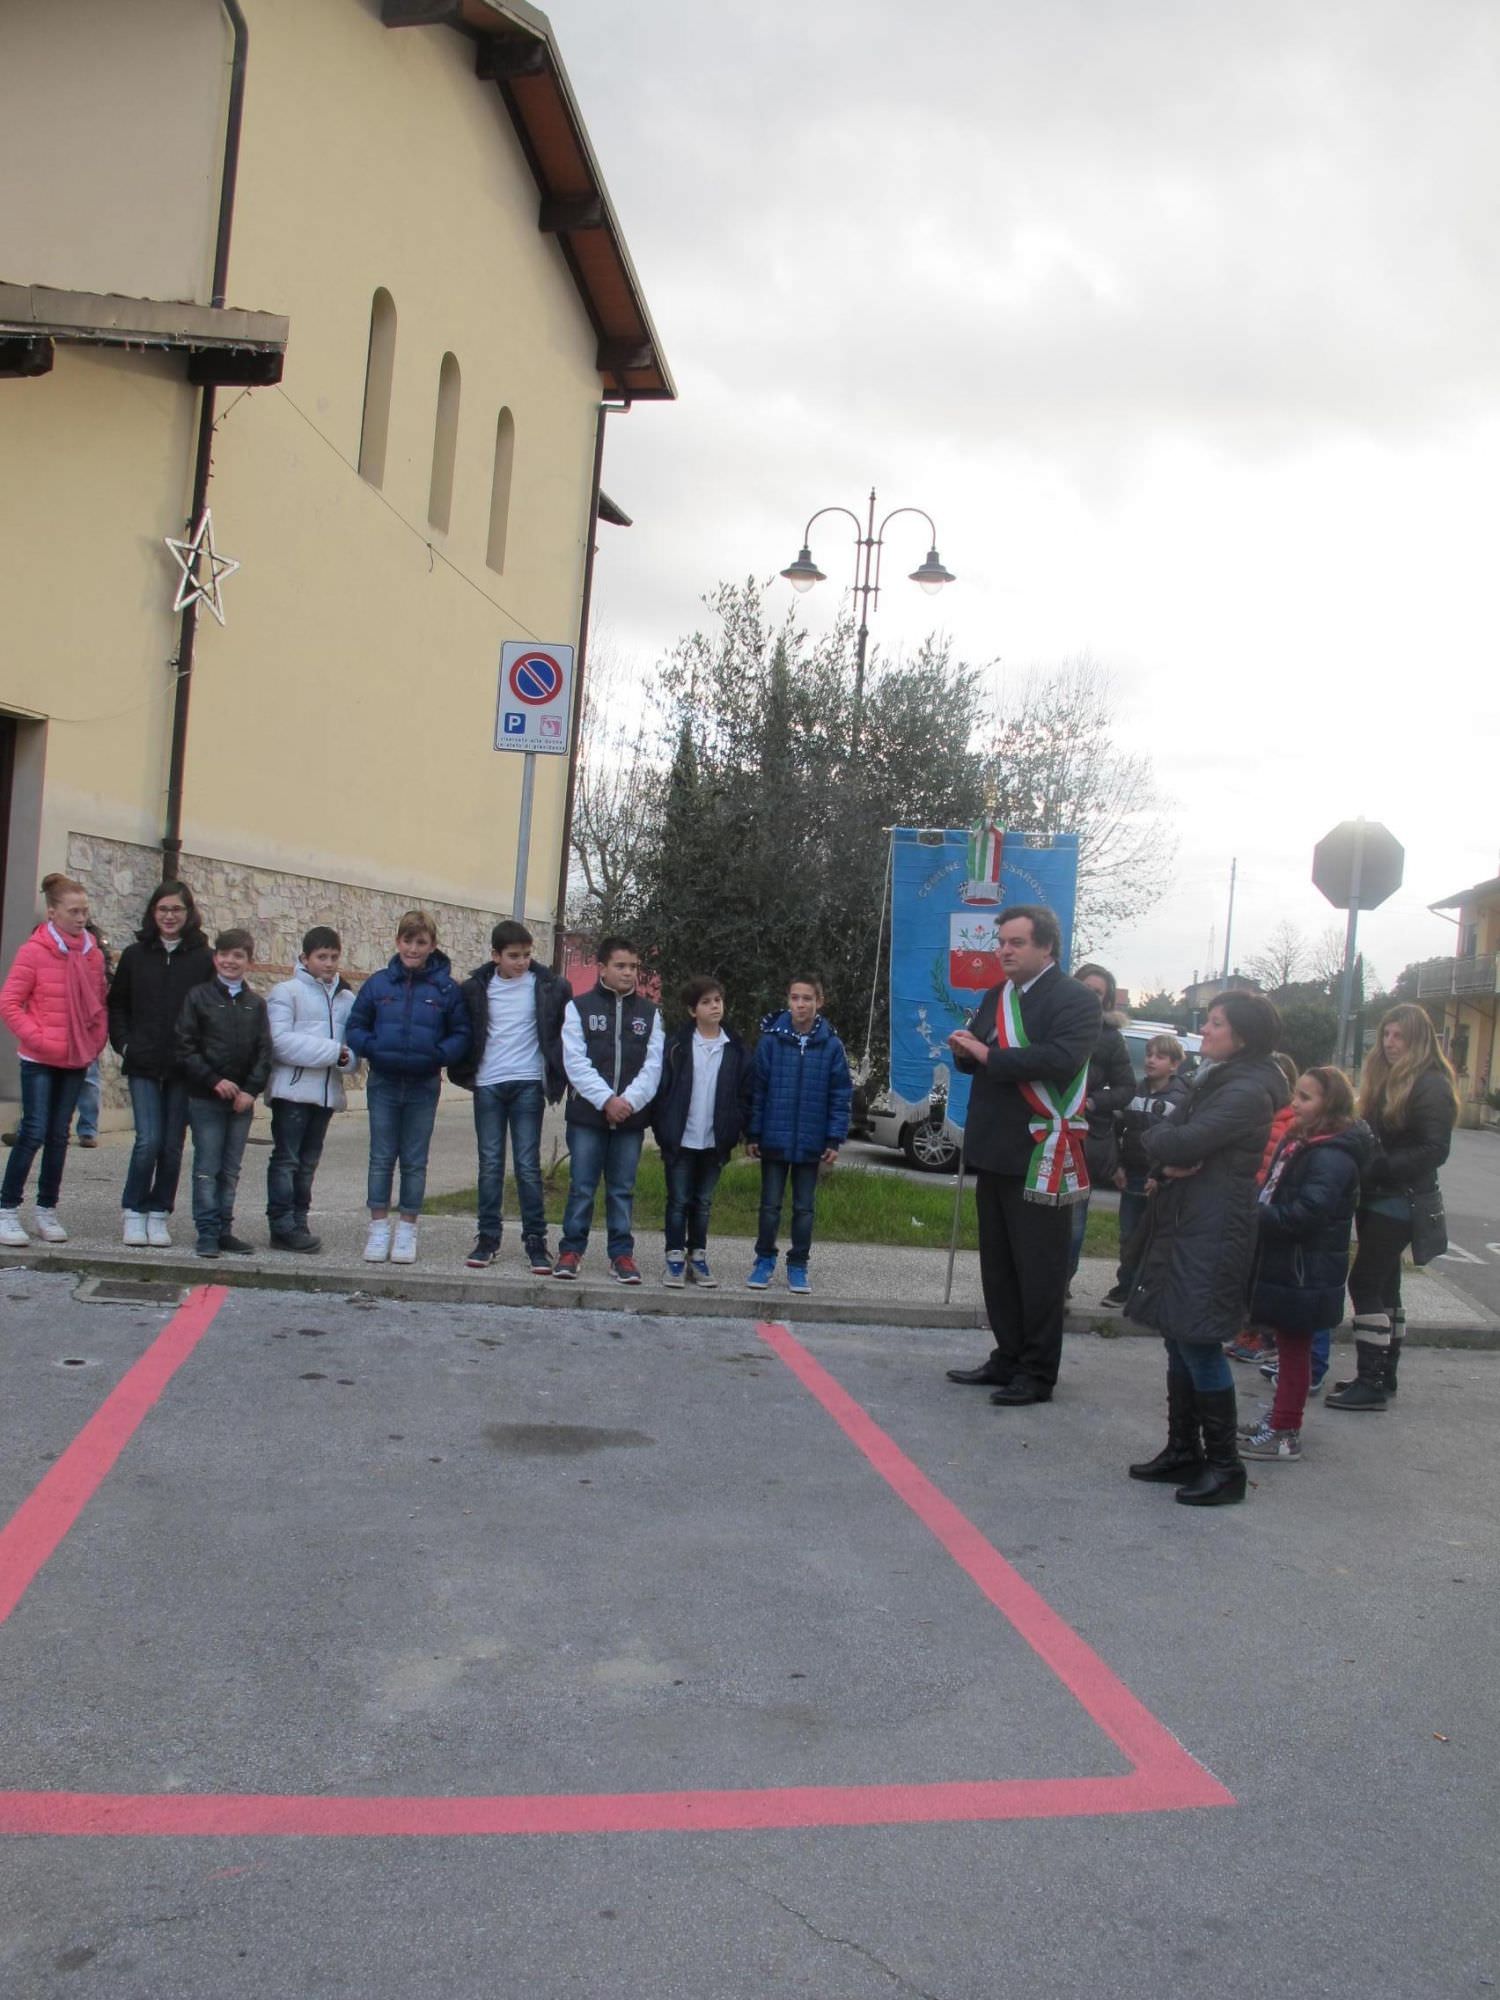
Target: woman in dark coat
(1110, 1087)
(1192, 1278)
(1305, 1213)
(1409, 1101)
(169, 957)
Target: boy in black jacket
(699, 1113)
(1162, 1096)
(222, 1050)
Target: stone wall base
(276, 908)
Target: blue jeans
(402, 1110)
(297, 1135)
(692, 1177)
(160, 1110)
(773, 1180)
(49, 1098)
(516, 1107)
(594, 1152)
(88, 1102)
(1134, 1201)
(1204, 1361)
(219, 1135)
(1322, 1353)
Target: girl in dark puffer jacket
(1305, 1214)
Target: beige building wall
(112, 110)
(340, 746)
(343, 723)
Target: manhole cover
(128, 1292)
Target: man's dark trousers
(1024, 1252)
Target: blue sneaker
(761, 1273)
(699, 1273)
(675, 1273)
(797, 1280)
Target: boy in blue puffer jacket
(408, 1023)
(800, 1095)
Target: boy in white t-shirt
(515, 1069)
(698, 1115)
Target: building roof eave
(517, 51)
(1474, 895)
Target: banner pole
(958, 1196)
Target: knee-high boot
(1221, 1482)
(1182, 1454)
(1367, 1390)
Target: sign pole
(958, 1196)
(523, 838)
(1346, 988)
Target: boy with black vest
(612, 1049)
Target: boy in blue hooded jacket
(800, 1095)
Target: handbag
(1429, 1226)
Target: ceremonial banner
(947, 888)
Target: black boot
(1392, 1363)
(1182, 1455)
(1367, 1390)
(1221, 1482)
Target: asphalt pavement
(391, 1581)
(1471, 1196)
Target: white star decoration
(193, 586)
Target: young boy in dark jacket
(1163, 1095)
(800, 1095)
(222, 1050)
(698, 1116)
(515, 1069)
(408, 1023)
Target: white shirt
(698, 1133)
(512, 1052)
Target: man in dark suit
(1024, 1234)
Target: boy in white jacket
(308, 1013)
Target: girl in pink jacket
(53, 1002)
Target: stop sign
(1360, 861)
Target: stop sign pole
(1346, 984)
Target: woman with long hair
(1409, 1100)
(1190, 1285)
(170, 955)
(53, 1002)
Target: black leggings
(1375, 1280)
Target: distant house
(346, 270)
(1461, 993)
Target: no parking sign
(535, 708)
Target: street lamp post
(868, 543)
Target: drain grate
(129, 1292)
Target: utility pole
(1229, 920)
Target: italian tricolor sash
(1058, 1174)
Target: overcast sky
(1182, 320)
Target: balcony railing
(1441, 977)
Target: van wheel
(929, 1148)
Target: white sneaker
(12, 1235)
(48, 1227)
(158, 1235)
(134, 1232)
(404, 1249)
(378, 1242)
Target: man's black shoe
(1021, 1389)
(235, 1246)
(988, 1375)
(1115, 1296)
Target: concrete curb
(650, 1301)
